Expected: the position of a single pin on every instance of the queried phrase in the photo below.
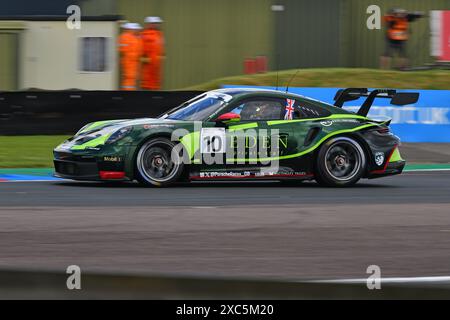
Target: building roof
(60, 18)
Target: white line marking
(439, 279)
(423, 170)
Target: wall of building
(8, 60)
(9, 48)
(97, 7)
(307, 34)
(205, 39)
(330, 33)
(50, 56)
(362, 47)
(208, 39)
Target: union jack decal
(289, 109)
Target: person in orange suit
(153, 44)
(397, 34)
(130, 48)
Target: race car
(241, 134)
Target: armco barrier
(52, 285)
(426, 121)
(64, 112)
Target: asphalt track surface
(269, 230)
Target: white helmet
(132, 26)
(125, 25)
(153, 20)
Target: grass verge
(340, 77)
(28, 151)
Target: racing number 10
(212, 140)
(213, 144)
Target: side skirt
(226, 175)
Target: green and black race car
(240, 134)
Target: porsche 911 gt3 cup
(240, 134)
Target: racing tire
(158, 163)
(340, 162)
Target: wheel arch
(152, 136)
(353, 135)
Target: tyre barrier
(65, 112)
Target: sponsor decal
(112, 159)
(248, 174)
(289, 109)
(263, 141)
(379, 158)
(326, 123)
(280, 174)
(346, 120)
(214, 174)
(150, 126)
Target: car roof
(238, 93)
(235, 92)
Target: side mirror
(229, 117)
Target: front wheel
(158, 163)
(340, 162)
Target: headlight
(119, 134)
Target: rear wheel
(158, 164)
(340, 162)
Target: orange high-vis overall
(130, 48)
(153, 43)
(398, 28)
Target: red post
(249, 66)
(261, 64)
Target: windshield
(197, 109)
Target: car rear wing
(397, 98)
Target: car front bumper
(89, 167)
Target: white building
(42, 52)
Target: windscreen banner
(428, 120)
